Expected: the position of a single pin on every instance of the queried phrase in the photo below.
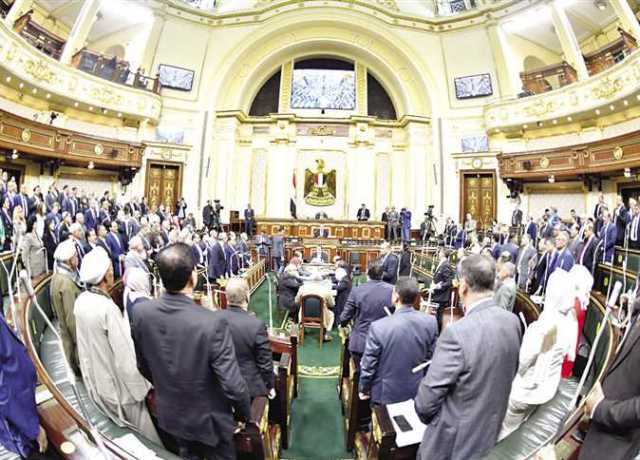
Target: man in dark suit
(562, 257)
(599, 207)
(365, 305)
(621, 219)
(442, 283)
(250, 340)
(217, 263)
(23, 200)
(608, 236)
(187, 353)
(395, 345)
(389, 264)
(511, 248)
(614, 406)
(385, 218)
(207, 215)
(249, 220)
(587, 255)
(466, 386)
(363, 213)
(92, 215)
(516, 217)
(116, 248)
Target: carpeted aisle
(317, 423)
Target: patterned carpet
(317, 423)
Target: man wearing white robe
(545, 344)
(106, 352)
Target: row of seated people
(239, 369)
(477, 359)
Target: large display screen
(323, 89)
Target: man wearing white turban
(64, 292)
(106, 351)
(545, 344)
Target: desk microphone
(71, 377)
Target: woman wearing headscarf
(544, 346)
(32, 250)
(137, 289)
(20, 430)
(105, 349)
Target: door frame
(470, 172)
(151, 163)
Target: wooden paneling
(50, 142)
(607, 156)
(478, 196)
(163, 184)
(339, 229)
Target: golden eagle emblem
(320, 186)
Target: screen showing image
(323, 89)
(176, 77)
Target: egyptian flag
(292, 199)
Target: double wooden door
(478, 197)
(164, 184)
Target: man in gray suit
(277, 250)
(505, 296)
(527, 259)
(463, 398)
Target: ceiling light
(525, 126)
(48, 96)
(612, 107)
(625, 102)
(105, 111)
(627, 172)
(119, 114)
(597, 111)
(8, 79)
(600, 4)
(91, 165)
(21, 85)
(552, 179)
(555, 122)
(90, 108)
(34, 90)
(14, 154)
(569, 119)
(75, 104)
(638, 97)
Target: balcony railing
(547, 78)
(610, 54)
(47, 42)
(5, 6)
(114, 69)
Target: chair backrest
(311, 306)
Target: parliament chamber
(320, 229)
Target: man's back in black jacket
(253, 349)
(187, 353)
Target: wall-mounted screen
(323, 89)
(473, 86)
(175, 77)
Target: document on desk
(407, 410)
(134, 446)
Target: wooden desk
(335, 229)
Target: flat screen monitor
(323, 89)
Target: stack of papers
(132, 445)
(408, 411)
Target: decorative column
(18, 8)
(506, 65)
(627, 18)
(151, 44)
(226, 136)
(280, 167)
(419, 172)
(286, 80)
(361, 164)
(80, 30)
(568, 40)
(361, 89)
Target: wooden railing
(114, 69)
(47, 42)
(611, 54)
(548, 78)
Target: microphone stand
(71, 377)
(610, 304)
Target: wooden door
(478, 197)
(164, 184)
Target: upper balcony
(559, 98)
(35, 71)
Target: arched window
(378, 101)
(267, 99)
